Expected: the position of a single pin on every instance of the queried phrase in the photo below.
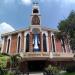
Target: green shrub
(1, 71)
(3, 60)
(70, 68)
(5, 54)
(10, 73)
(52, 70)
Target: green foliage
(1, 71)
(58, 35)
(3, 60)
(15, 60)
(0, 49)
(67, 26)
(69, 73)
(63, 25)
(72, 42)
(5, 54)
(10, 73)
(70, 68)
(52, 70)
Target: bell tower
(35, 19)
(35, 28)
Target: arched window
(8, 46)
(35, 11)
(53, 44)
(44, 43)
(63, 44)
(19, 44)
(27, 43)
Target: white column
(2, 44)
(70, 48)
(41, 35)
(47, 42)
(55, 43)
(24, 43)
(62, 46)
(51, 43)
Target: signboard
(36, 54)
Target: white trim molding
(25, 33)
(62, 47)
(52, 34)
(19, 35)
(9, 37)
(45, 32)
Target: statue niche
(35, 20)
(36, 43)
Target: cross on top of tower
(35, 2)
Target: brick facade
(14, 42)
(58, 45)
(34, 28)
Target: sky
(15, 14)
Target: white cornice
(14, 32)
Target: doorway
(36, 66)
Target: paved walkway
(35, 73)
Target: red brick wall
(13, 44)
(58, 45)
(14, 40)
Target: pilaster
(31, 42)
(41, 43)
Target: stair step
(36, 74)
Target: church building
(37, 45)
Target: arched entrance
(36, 66)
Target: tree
(67, 26)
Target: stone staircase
(36, 73)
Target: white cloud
(66, 1)
(26, 2)
(4, 28)
(61, 1)
(69, 1)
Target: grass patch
(69, 73)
